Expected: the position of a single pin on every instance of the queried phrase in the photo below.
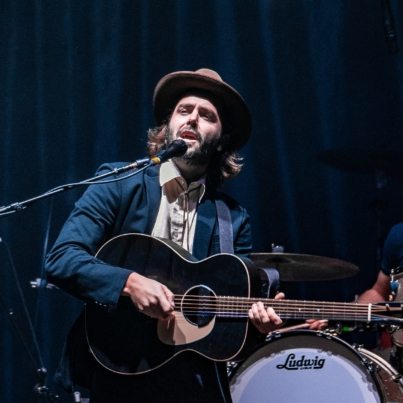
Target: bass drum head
(304, 367)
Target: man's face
(195, 120)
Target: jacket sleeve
(71, 264)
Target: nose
(193, 117)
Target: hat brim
(235, 114)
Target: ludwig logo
(302, 362)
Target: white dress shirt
(177, 214)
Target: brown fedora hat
(234, 113)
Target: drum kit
(305, 366)
(299, 365)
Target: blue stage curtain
(76, 90)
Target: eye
(206, 114)
(210, 117)
(183, 111)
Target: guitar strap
(225, 227)
(270, 276)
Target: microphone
(175, 149)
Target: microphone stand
(97, 179)
(40, 388)
(174, 149)
(177, 148)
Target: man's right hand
(149, 296)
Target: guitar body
(126, 341)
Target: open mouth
(188, 135)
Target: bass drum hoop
(277, 342)
(389, 379)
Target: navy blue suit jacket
(127, 206)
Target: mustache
(191, 130)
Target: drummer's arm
(378, 292)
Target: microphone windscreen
(175, 149)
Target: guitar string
(285, 309)
(363, 317)
(249, 301)
(294, 314)
(280, 310)
(240, 302)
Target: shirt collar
(170, 175)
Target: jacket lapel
(153, 194)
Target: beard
(201, 155)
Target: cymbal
(297, 267)
(365, 160)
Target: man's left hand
(265, 319)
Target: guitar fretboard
(233, 307)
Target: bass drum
(390, 381)
(311, 367)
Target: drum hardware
(371, 366)
(303, 326)
(338, 328)
(300, 267)
(392, 328)
(364, 327)
(396, 358)
(390, 379)
(231, 367)
(277, 248)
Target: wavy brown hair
(225, 164)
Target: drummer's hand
(317, 324)
(265, 319)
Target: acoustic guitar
(212, 299)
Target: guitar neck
(232, 307)
(296, 309)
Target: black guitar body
(126, 341)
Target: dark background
(76, 90)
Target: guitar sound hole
(199, 305)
